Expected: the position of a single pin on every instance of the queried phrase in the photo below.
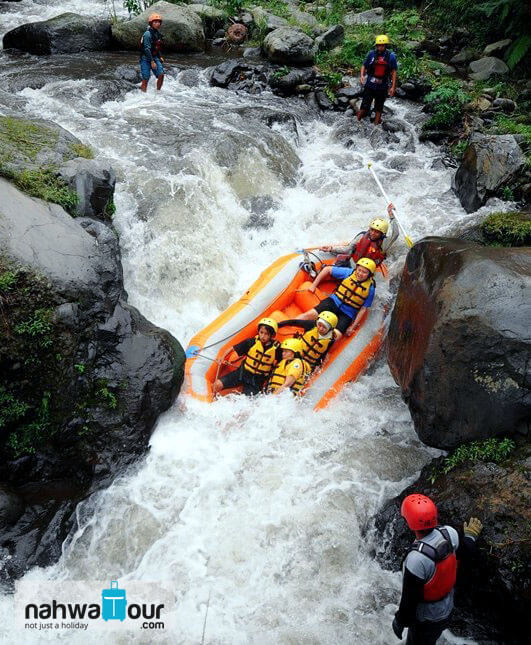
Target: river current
(259, 508)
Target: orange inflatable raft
(281, 292)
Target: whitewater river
(262, 506)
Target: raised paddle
(406, 236)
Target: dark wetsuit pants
(425, 633)
(252, 383)
(377, 94)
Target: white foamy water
(260, 505)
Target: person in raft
(292, 371)
(150, 56)
(372, 244)
(355, 291)
(260, 354)
(378, 70)
(318, 338)
(430, 570)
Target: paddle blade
(408, 241)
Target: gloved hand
(398, 628)
(473, 528)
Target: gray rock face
(268, 20)
(93, 182)
(294, 77)
(371, 17)
(65, 34)
(484, 68)
(505, 105)
(303, 18)
(182, 28)
(331, 38)
(489, 162)
(497, 47)
(465, 55)
(459, 341)
(288, 46)
(104, 413)
(227, 71)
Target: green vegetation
(105, 395)
(507, 229)
(27, 137)
(44, 184)
(7, 281)
(493, 450)
(446, 102)
(82, 150)
(110, 209)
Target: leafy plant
(11, 409)
(27, 438)
(508, 229)
(82, 150)
(7, 281)
(135, 7)
(446, 101)
(494, 450)
(281, 72)
(106, 396)
(80, 368)
(44, 184)
(513, 17)
(39, 327)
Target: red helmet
(419, 512)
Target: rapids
(262, 505)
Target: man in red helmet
(430, 570)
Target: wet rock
(323, 101)
(252, 52)
(271, 22)
(286, 84)
(302, 18)
(394, 125)
(484, 68)
(288, 46)
(189, 77)
(65, 34)
(128, 73)
(11, 507)
(489, 163)
(403, 163)
(350, 92)
(415, 89)
(458, 342)
(331, 38)
(380, 138)
(228, 71)
(103, 416)
(371, 17)
(182, 29)
(493, 587)
(259, 207)
(93, 182)
(505, 105)
(303, 89)
(434, 135)
(497, 48)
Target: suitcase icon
(113, 602)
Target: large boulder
(36, 153)
(267, 21)
(459, 341)
(331, 38)
(493, 588)
(371, 17)
(67, 33)
(289, 46)
(490, 162)
(84, 375)
(182, 28)
(484, 68)
(497, 48)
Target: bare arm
(363, 75)
(324, 273)
(354, 324)
(391, 239)
(286, 385)
(392, 89)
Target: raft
(281, 292)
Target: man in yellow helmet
(377, 73)
(318, 336)
(373, 244)
(292, 371)
(355, 291)
(260, 354)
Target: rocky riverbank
(84, 375)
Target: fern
(518, 50)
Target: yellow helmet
(294, 344)
(368, 264)
(382, 39)
(269, 322)
(329, 317)
(380, 225)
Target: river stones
(489, 163)
(458, 342)
(371, 17)
(289, 46)
(182, 28)
(486, 67)
(331, 38)
(67, 33)
(93, 182)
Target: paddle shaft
(378, 183)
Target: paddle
(406, 236)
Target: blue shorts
(146, 70)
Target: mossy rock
(507, 229)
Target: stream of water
(261, 505)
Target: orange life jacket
(443, 556)
(366, 248)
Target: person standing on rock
(378, 69)
(150, 57)
(430, 570)
(373, 244)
